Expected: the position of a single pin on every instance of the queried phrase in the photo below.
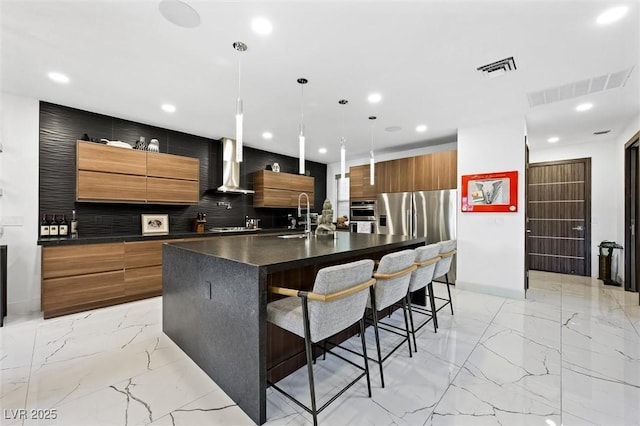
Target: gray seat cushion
(443, 266)
(326, 318)
(392, 290)
(423, 276)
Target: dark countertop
(278, 253)
(45, 242)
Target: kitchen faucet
(307, 225)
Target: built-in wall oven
(363, 216)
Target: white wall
(607, 187)
(491, 254)
(19, 121)
(334, 168)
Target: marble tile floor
(569, 354)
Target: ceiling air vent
(580, 88)
(498, 68)
(601, 132)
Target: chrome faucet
(307, 225)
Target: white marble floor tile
(588, 399)
(215, 408)
(569, 354)
(137, 400)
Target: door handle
(528, 231)
(578, 228)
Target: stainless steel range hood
(231, 169)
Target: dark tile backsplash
(61, 126)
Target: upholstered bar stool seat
(337, 302)
(392, 284)
(446, 253)
(425, 260)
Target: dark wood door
(632, 214)
(526, 215)
(559, 210)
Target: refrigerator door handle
(410, 223)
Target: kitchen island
(215, 295)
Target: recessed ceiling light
(584, 107)
(168, 108)
(374, 98)
(553, 139)
(421, 128)
(612, 15)
(58, 77)
(179, 13)
(261, 26)
(322, 150)
(267, 135)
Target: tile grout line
(33, 350)
(466, 359)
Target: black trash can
(3, 284)
(605, 257)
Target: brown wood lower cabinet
(81, 277)
(77, 293)
(145, 281)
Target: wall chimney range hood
(231, 169)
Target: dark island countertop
(45, 242)
(275, 253)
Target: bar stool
(337, 302)
(392, 284)
(447, 250)
(426, 260)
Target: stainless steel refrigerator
(429, 214)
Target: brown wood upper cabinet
(111, 174)
(172, 166)
(277, 189)
(422, 173)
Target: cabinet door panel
(68, 292)
(274, 189)
(172, 166)
(98, 186)
(143, 253)
(172, 191)
(103, 158)
(147, 280)
(81, 259)
(447, 169)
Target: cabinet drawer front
(287, 181)
(143, 253)
(172, 166)
(279, 198)
(173, 191)
(146, 280)
(98, 157)
(96, 186)
(78, 290)
(81, 259)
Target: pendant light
(343, 145)
(372, 173)
(301, 141)
(240, 47)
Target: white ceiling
(124, 59)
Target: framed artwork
(155, 224)
(490, 192)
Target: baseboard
(509, 293)
(24, 307)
